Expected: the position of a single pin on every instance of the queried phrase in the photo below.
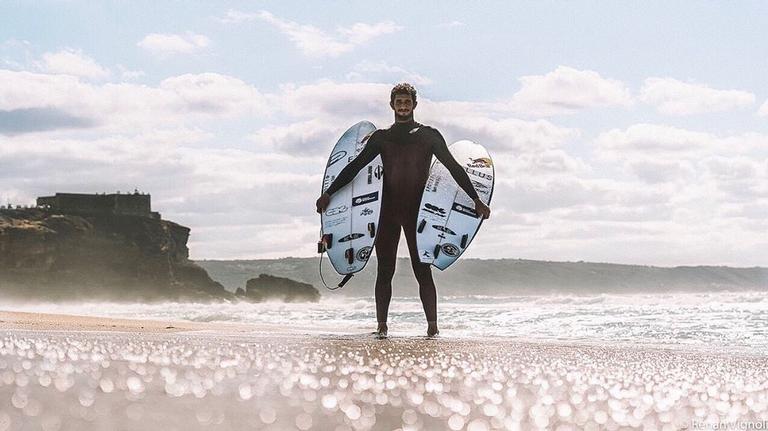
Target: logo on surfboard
(363, 254)
(443, 229)
(351, 236)
(364, 199)
(374, 172)
(476, 173)
(463, 209)
(432, 182)
(327, 181)
(336, 210)
(335, 157)
(450, 249)
(436, 210)
(480, 162)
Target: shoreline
(46, 322)
(25, 320)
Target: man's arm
(371, 150)
(441, 151)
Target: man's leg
(386, 254)
(423, 273)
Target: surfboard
(350, 222)
(447, 222)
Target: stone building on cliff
(136, 204)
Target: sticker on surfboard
(447, 221)
(350, 221)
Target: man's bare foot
(432, 329)
(381, 331)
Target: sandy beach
(61, 372)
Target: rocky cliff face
(266, 287)
(51, 256)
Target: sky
(626, 132)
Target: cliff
(49, 256)
(266, 287)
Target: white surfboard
(350, 221)
(447, 220)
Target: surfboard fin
(350, 255)
(464, 239)
(436, 251)
(325, 242)
(372, 229)
(423, 223)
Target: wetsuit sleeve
(371, 150)
(440, 149)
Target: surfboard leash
(320, 270)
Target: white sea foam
(724, 320)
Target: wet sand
(73, 373)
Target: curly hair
(403, 88)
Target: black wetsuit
(406, 151)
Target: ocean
(719, 321)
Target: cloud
(673, 97)
(452, 24)
(541, 163)
(328, 99)
(360, 33)
(126, 106)
(316, 43)
(566, 90)
(73, 62)
(39, 119)
(213, 93)
(654, 172)
(130, 75)
(236, 17)
(653, 140)
(165, 43)
(311, 137)
(382, 71)
(707, 171)
(508, 134)
(763, 111)
(16, 54)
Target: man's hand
(482, 209)
(322, 202)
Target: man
(406, 150)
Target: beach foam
(724, 321)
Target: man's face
(403, 106)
